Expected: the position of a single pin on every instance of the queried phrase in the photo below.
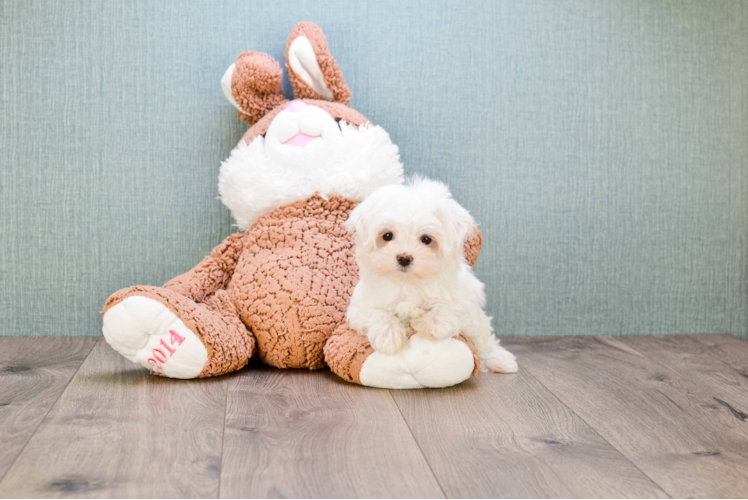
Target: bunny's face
(294, 149)
(302, 131)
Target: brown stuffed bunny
(279, 290)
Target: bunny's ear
(254, 85)
(313, 72)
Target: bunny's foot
(422, 363)
(175, 337)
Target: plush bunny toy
(279, 290)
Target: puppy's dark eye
(388, 236)
(425, 240)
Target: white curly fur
(253, 181)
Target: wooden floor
(585, 417)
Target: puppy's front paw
(387, 339)
(436, 327)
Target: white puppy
(414, 278)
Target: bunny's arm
(472, 246)
(213, 273)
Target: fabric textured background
(603, 146)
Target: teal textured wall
(603, 146)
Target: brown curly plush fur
(345, 353)
(292, 285)
(257, 85)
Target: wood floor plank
(664, 423)
(118, 431)
(33, 373)
(506, 436)
(729, 349)
(296, 433)
(700, 363)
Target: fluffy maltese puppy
(414, 278)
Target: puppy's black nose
(404, 259)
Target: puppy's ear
(458, 226)
(313, 72)
(358, 224)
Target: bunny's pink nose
(296, 105)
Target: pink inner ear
(300, 140)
